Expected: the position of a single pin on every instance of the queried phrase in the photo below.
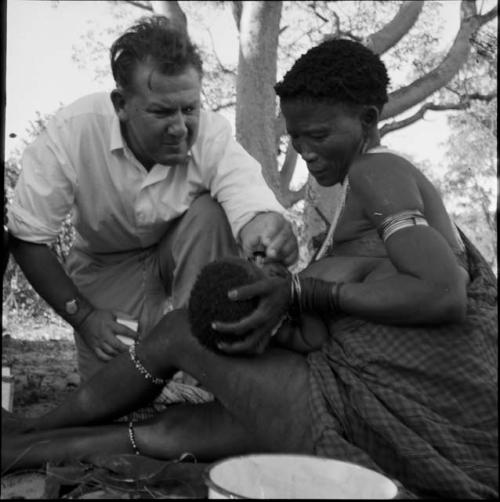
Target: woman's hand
(274, 294)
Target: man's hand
(99, 331)
(271, 233)
(274, 299)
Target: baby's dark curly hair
(337, 70)
(209, 302)
(153, 38)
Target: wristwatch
(72, 306)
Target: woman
(392, 329)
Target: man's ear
(369, 117)
(119, 100)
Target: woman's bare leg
(267, 394)
(205, 430)
(263, 405)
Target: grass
(42, 358)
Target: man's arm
(236, 182)
(47, 276)
(44, 272)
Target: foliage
(19, 298)
(469, 183)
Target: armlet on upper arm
(398, 221)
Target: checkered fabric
(418, 404)
(183, 388)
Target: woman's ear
(369, 117)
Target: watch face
(72, 307)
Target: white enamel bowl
(270, 476)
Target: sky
(41, 74)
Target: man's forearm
(49, 279)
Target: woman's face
(327, 136)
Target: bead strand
(141, 369)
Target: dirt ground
(43, 364)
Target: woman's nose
(308, 155)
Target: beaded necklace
(338, 211)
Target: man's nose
(177, 126)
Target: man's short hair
(153, 39)
(337, 70)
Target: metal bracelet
(141, 369)
(336, 295)
(131, 436)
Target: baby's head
(209, 301)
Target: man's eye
(189, 109)
(317, 137)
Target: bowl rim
(224, 491)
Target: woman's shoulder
(381, 162)
(384, 175)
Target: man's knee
(207, 211)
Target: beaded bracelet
(141, 369)
(131, 436)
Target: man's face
(160, 115)
(327, 136)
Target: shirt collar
(116, 139)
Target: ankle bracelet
(141, 369)
(131, 436)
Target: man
(156, 186)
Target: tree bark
(172, 10)
(256, 99)
(387, 37)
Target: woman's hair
(157, 40)
(209, 302)
(337, 70)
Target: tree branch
(280, 128)
(291, 197)
(141, 5)
(387, 37)
(222, 68)
(172, 10)
(492, 14)
(462, 105)
(288, 168)
(221, 106)
(407, 97)
(237, 9)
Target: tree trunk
(256, 99)
(172, 10)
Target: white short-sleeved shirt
(80, 163)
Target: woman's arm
(429, 286)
